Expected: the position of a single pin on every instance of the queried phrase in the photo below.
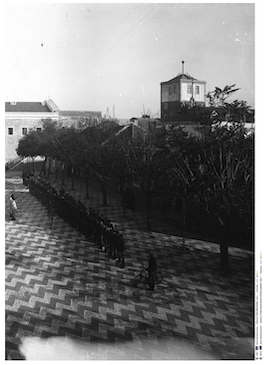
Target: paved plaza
(65, 299)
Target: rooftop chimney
(183, 67)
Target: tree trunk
(223, 247)
(149, 223)
(43, 168)
(123, 203)
(62, 174)
(57, 170)
(87, 175)
(102, 184)
(49, 167)
(72, 177)
(104, 192)
(33, 167)
(122, 192)
(183, 223)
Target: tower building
(180, 89)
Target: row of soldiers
(94, 226)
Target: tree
(146, 165)
(180, 178)
(85, 162)
(120, 171)
(49, 131)
(217, 170)
(219, 108)
(30, 146)
(91, 137)
(217, 98)
(99, 155)
(234, 112)
(227, 168)
(67, 146)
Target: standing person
(152, 269)
(13, 207)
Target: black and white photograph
(130, 182)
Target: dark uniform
(94, 226)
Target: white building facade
(21, 117)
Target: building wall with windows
(193, 89)
(21, 117)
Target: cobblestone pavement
(67, 300)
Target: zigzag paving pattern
(66, 300)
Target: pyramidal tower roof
(183, 76)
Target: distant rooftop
(27, 107)
(77, 113)
(47, 106)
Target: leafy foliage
(219, 109)
(218, 97)
(30, 145)
(227, 161)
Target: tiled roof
(26, 107)
(182, 77)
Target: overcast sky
(93, 56)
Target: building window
(24, 130)
(197, 90)
(169, 90)
(38, 129)
(189, 89)
(175, 89)
(10, 130)
(165, 106)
